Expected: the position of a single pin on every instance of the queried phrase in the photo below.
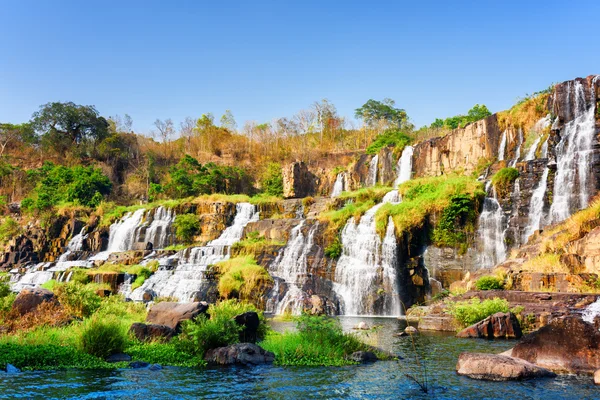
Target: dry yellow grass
(547, 263)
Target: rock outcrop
(173, 314)
(499, 325)
(239, 353)
(29, 299)
(149, 332)
(298, 181)
(496, 367)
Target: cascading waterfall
(536, 207)
(544, 149)
(74, 245)
(404, 166)
(592, 311)
(491, 231)
(358, 269)
(291, 266)
(538, 128)
(373, 168)
(502, 147)
(340, 185)
(35, 275)
(188, 277)
(573, 158)
(158, 232)
(531, 152)
(122, 234)
(518, 149)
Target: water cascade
(187, 278)
(158, 231)
(591, 312)
(360, 274)
(536, 207)
(539, 128)
(340, 185)
(518, 149)
(404, 166)
(502, 147)
(573, 158)
(372, 175)
(491, 231)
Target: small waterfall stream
(373, 169)
(404, 166)
(502, 147)
(536, 207)
(188, 277)
(518, 149)
(491, 230)
(339, 186)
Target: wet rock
(172, 314)
(411, 330)
(155, 367)
(298, 181)
(149, 332)
(239, 353)
(567, 344)
(499, 325)
(118, 357)
(496, 367)
(363, 357)
(28, 299)
(597, 377)
(437, 323)
(250, 322)
(138, 364)
(11, 369)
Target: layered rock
(496, 367)
(173, 314)
(499, 325)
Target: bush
(389, 138)
(48, 357)
(469, 312)
(186, 227)
(272, 180)
(242, 278)
(334, 250)
(503, 179)
(9, 228)
(489, 283)
(77, 299)
(102, 336)
(458, 219)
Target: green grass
(242, 278)
(254, 244)
(489, 283)
(503, 179)
(469, 312)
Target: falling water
(536, 207)
(502, 147)
(36, 275)
(372, 174)
(340, 185)
(538, 129)
(404, 167)
(359, 267)
(518, 149)
(544, 149)
(158, 232)
(573, 159)
(74, 245)
(491, 231)
(531, 152)
(188, 277)
(592, 311)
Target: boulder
(567, 344)
(597, 377)
(172, 314)
(445, 323)
(363, 357)
(28, 299)
(11, 369)
(148, 332)
(499, 325)
(411, 330)
(250, 321)
(239, 353)
(496, 367)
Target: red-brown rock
(499, 325)
(496, 367)
(172, 314)
(145, 332)
(28, 299)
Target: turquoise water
(381, 380)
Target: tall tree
(165, 129)
(11, 134)
(228, 121)
(374, 111)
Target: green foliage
(474, 114)
(503, 179)
(78, 299)
(9, 228)
(393, 138)
(253, 244)
(242, 278)
(318, 341)
(489, 283)
(219, 330)
(469, 312)
(272, 180)
(85, 186)
(6, 296)
(334, 250)
(48, 357)
(164, 354)
(102, 336)
(186, 227)
(374, 111)
(457, 220)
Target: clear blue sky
(268, 59)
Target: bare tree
(165, 129)
(186, 129)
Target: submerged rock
(172, 314)
(29, 299)
(363, 357)
(411, 330)
(499, 325)
(496, 367)
(11, 369)
(118, 357)
(155, 367)
(239, 353)
(138, 364)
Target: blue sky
(268, 59)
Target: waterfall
(74, 245)
(591, 312)
(373, 167)
(491, 231)
(544, 150)
(361, 266)
(538, 128)
(340, 185)
(531, 152)
(502, 147)
(573, 159)
(188, 277)
(518, 149)
(404, 167)
(389, 263)
(536, 207)
(36, 275)
(158, 231)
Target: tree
(11, 134)
(121, 124)
(478, 112)
(69, 122)
(228, 121)
(374, 111)
(165, 129)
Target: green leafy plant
(102, 336)
(272, 180)
(186, 227)
(334, 250)
(503, 179)
(78, 299)
(469, 312)
(489, 283)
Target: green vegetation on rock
(186, 227)
(489, 283)
(503, 179)
(459, 121)
(242, 278)
(469, 312)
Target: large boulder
(239, 353)
(496, 367)
(148, 332)
(173, 314)
(30, 298)
(363, 357)
(567, 344)
(499, 325)
(250, 323)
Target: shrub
(9, 228)
(334, 250)
(102, 336)
(469, 312)
(308, 201)
(503, 179)
(489, 283)
(242, 278)
(186, 227)
(272, 180)
(458, 219)
(40, 357)
(78, 299)
(165, 354)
